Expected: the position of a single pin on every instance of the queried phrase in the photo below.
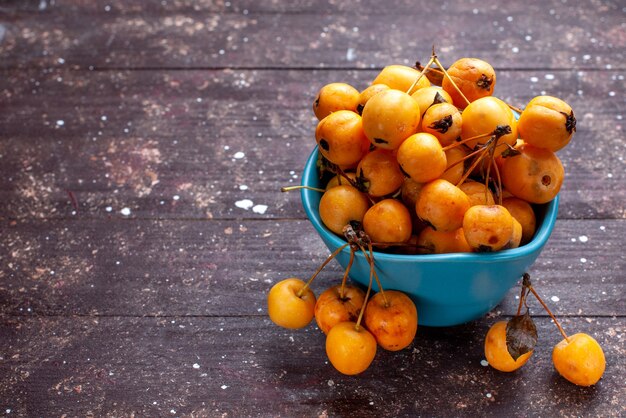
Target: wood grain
(225, 268)
(191, 144)
(248, 367)
(309, 34)
(133, 279)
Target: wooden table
(142, 148)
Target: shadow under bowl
(448, 289)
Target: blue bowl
(448, 289)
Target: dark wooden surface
(131, 283)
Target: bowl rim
(310, 178)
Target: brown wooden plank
(132, 284)
(166, 144)
(309, 34)
(119, 366)
(140, 267)
(318, 7)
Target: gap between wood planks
(260, 315)
(77, 68)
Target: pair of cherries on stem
(354, 323)
(509, 344)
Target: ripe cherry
(478, 193)
(422, 158)
(525, 215)
(401, 77)
(410, 192)
(391, 316)
(388, 221)
(547, 122)
(579, 359)
(379, 173)
(427, 97)
(290, 304)
(442, 205)
(389, 118)
(474, 77)
(341, 139)
(444, 121)
(350, 348)
(430, 241)
(488, 227)
(484, 116)
(333, 97)
(368, 93)
(496, 351)
(409, 195)
(535, 175)
(333, 306)
(516, 238)
(340, 205)
(340, 180)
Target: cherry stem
(380, 285)
(345, 176)
(433, 69)
(290, 188)
(517, 109)
(445, 73)
(467, 157)
(353, 183)
(367, 295)
(499, 179)
(457, 143)
(472, 167)
(487, 149)
(432, 59)
(345, 274)
(491, 152)
(330, 257)
(522, 298)
(370, 260)
(532, 289)
(341, 176)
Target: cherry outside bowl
(448, 289)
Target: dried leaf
(510, 152)
(439, 99)
(324, 166)
(434, 75)
(521, 335)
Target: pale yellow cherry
(290, 304)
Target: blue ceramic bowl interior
(448, 289)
